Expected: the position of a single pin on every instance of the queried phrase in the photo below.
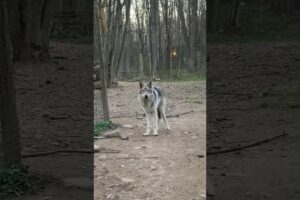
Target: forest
(60, 56)
(151, 39)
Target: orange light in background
(174, 53)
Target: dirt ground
(170, 166)
(253, 94)
(55, 107)
(55, 110)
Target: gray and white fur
(154, 101)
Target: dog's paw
(146, 134)
(168, 128)
(155, 133)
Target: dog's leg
(166, 122)
(164, 116)
(155, 122)
(148, 116)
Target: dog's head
(146, 91)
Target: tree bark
(98, 42)
(154, 37)
(190, 57)
(168, 34)
(236, 14)
(124, 35)
(113, 57)
(10, 134)
(31, 22)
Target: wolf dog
(154, 102)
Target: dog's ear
(141, 85)
(150, 84)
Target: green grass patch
(193, 99)
(103, 126)
(14, 181)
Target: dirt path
(55, 105)
(168, 167)
(254, 85)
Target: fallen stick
(120, 116)
(177, 115)
(135, 158)
(169, 116)
(48, 153)
(231, 93)
(247, 146)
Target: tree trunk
(125, 30)
(154, 37)
(168, 34)
(141, 67)
(98, 42)
(236, 14)
(284, 7)
(193, 32)
(10, 134)
(31, 22)
(190, 57)
(115, 44)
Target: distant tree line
(151, 37)
(230, 14)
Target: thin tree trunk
(168, 35)
(141, 65)
(98, 42)
(10, 136)
(47, 15)
(193, 32)
(31, 23)
(154, 37)
(236, 14)
(116, 43)
(190, 59)
(124, 35)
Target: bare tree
(165, 41)
(25, 36)
(98, 43)
(30, 30)
(167, 24)
(153, 36)
(190, 50)
(124, 34)
(10, 134)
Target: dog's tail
(158, 114)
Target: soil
(170, 166)
(55, 105)
(253, 94)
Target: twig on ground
(120, 116)
(48, 153)
(136, 158)
(247, 146)
(230, 93)
(169, 116)
(177, 115)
